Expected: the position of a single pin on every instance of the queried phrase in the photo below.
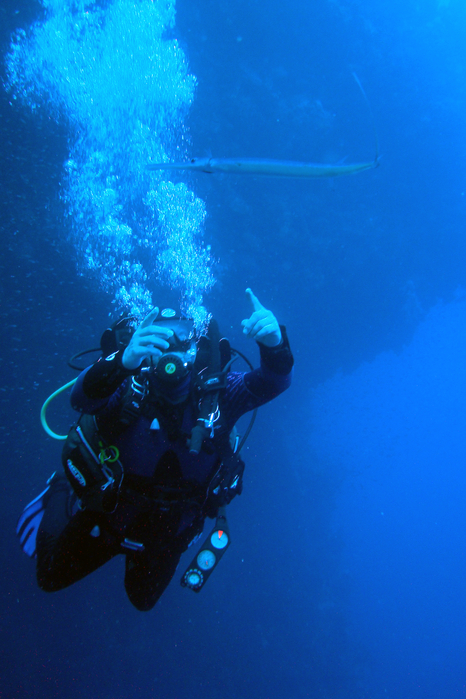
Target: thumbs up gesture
(262, 326)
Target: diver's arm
(98, 382)
(248, 391)
(245, 392)
(275, 372)
(274, 375)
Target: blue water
(345, 576)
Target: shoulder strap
(210, 380)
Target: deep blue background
(321, 594)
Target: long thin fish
(275, 168)
(264, 166)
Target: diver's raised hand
(262, 326)
(148, 340)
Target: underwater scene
(294, 165)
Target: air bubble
(122, 89)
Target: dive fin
(31, 517)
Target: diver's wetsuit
(70, 545)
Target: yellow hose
(46, 405)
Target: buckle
(215, 382)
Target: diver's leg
(147, 575)
(149, 572)
(70, 545)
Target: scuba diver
(154, 452)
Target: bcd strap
(225, 352)
(210, 381)
(92, 466)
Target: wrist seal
(278, 359)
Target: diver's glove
(147, 342)
(262, 326)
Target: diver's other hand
(148, 340)
(262, 326)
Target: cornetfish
(265, 166)
(275, 168)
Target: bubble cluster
(114, 74)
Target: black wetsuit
(71, 544)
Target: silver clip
(132, 545)
(138, 387)
(208, 424)
(109, 476)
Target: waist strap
(146, 495)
